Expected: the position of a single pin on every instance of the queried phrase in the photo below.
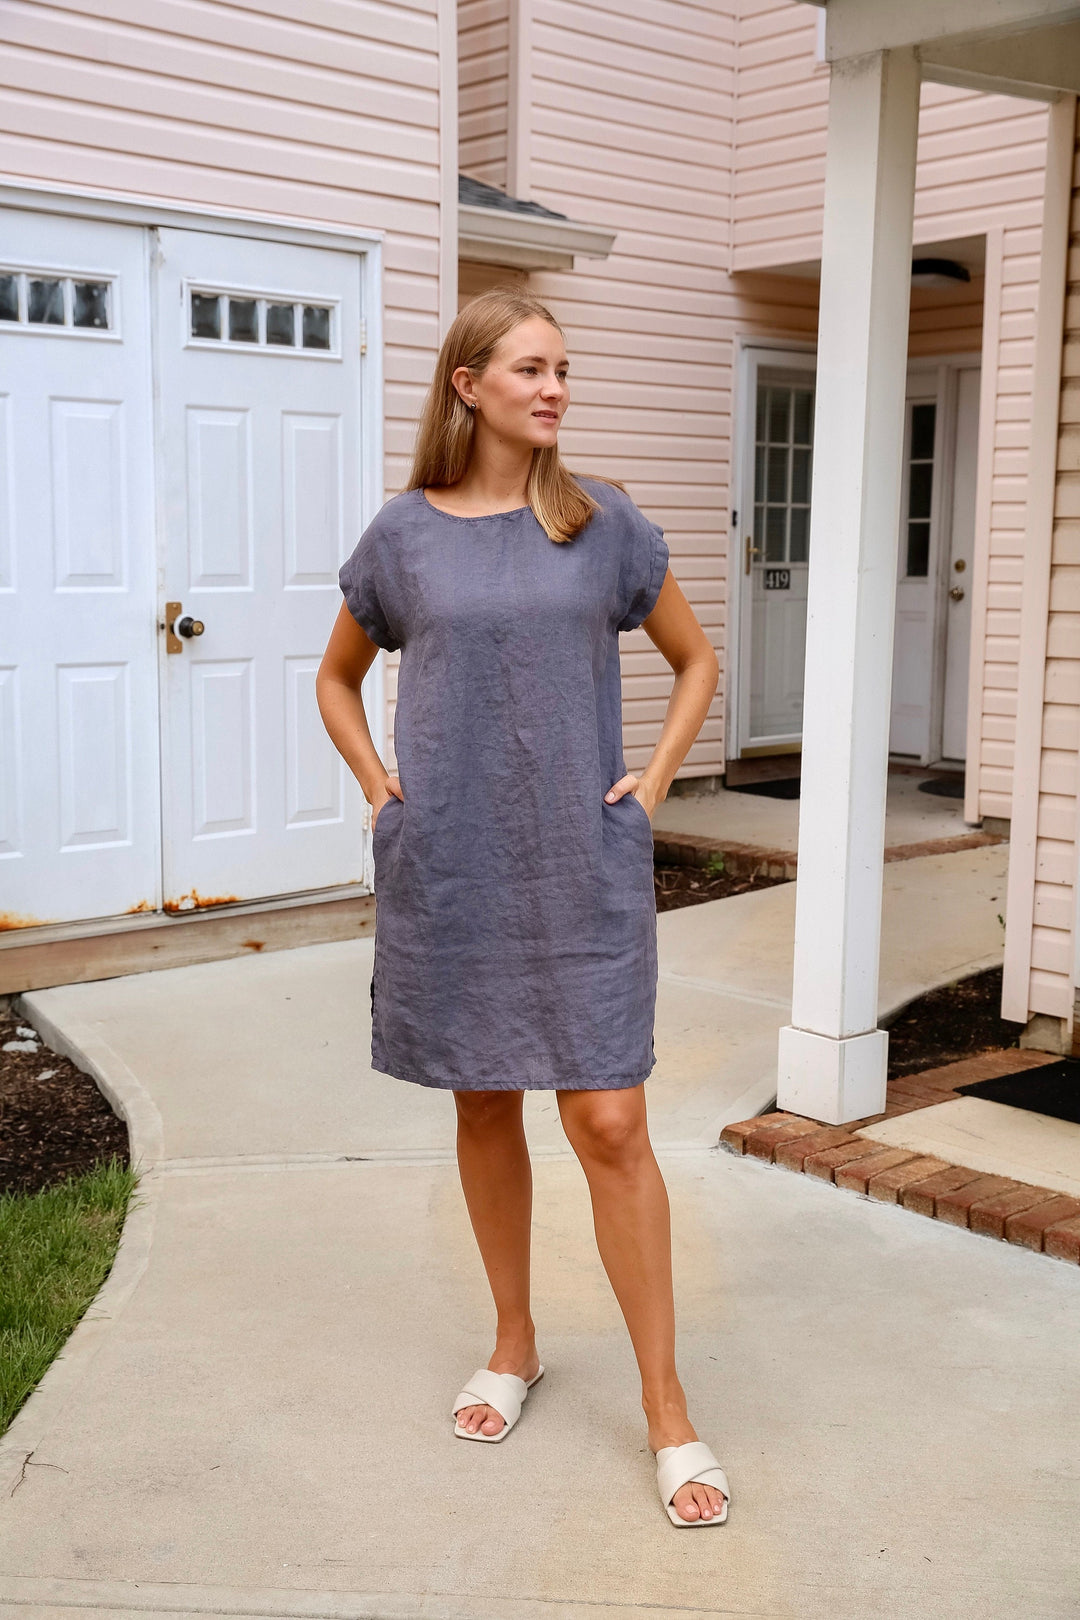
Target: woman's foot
(524, 1362)
(670, 1426)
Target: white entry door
(933, 592)
(259, 354)
(78, 656)
(773, 555)
(956, 603)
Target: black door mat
(785, 789)
(1052, 1089)
(944, 787)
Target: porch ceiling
(1016, 47)
(970, 251)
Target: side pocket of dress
(641, 812)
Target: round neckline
(478, 517)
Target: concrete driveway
(253, 1420)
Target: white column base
(832, 1080)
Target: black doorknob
(188, 627)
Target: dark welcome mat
(787, 788)
(1053, 1089)
(945, 787)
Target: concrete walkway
(254, 1420)
(911, 816)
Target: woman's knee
(488, 1110)
(606, 1128)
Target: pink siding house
(234, 236)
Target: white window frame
(113, 333)
(221, 289)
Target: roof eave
(527, 241)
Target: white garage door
(78, 675)
(259, 366)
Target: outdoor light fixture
(937, 272)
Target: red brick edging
(1037, 1218)
(754, 860)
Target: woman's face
(523, 393)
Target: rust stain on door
(194, 901)
(13, 919)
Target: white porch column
(832, 1058)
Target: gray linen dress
(515, 930)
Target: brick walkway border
(1037, 1218)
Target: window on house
(922, 425)
(48, 300)
(782, 470)
(244, 319)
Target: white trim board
(132, 210)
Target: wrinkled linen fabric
(515, 926)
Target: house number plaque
(778, 579)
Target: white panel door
(259, 365)
(918, 581)
(961, 550)
(933, 600)
(78, 657)
(775, 548)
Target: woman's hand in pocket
(392, 791)
(639, 787)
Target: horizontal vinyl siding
(631, 120)
(981, 163)
(483, 62)
(1052, 940)
(326, 113)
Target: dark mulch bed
(54, 1122)
(957, 1021)
(691, 885)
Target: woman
(515, 943)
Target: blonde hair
(444, 441)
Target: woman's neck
(497, 475)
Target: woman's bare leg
(609, 1133)
(496, 1178)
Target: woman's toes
(695, 1501)
(473, 1418)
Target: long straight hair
(444, 441)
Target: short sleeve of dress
(644, 564)
(364, 584)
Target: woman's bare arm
(673, 627)
(349, 654)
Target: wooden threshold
(147, 943)
(763, 768)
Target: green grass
(56, 1248)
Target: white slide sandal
(505, 1392)
(691, 1464)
